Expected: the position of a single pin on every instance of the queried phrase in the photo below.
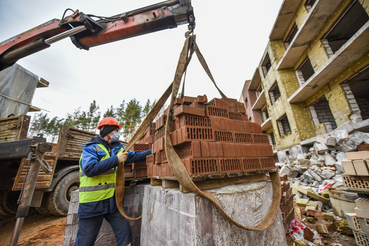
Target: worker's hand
(122, 156)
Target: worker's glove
(122, 156)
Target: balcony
(255, 81)
(285, 16)
(316, 19)
(352, 50)
(266, 125)
(260, 101)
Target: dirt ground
(36, 230)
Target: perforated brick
(240, 137)
(214, 111)
(361, 238)
(260, 138)
(250, 164)
(252, 127)
(356, 182)
(201, 166)
(223, 136)
(138, 165)
(353, 221)
(189, 150)
(235, 116)
(140, 147)
(267, 163)
(196, 134)
(230, 165)
(150, 159)
(190, 120)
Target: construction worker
(98, 163)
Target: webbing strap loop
(174, 160)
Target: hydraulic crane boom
(88, 31)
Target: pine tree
(39, 123)
(110, 112)
(132, 118)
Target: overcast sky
(232, 35)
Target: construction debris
(324, 181)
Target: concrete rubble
(316, 177)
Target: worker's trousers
(89, 228)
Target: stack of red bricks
(137, 169)
(286, 205)
(212, 139)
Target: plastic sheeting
(18, 83)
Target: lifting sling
(174, 160)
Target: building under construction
(313, 76)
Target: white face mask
(115, 137)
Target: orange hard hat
(108, 121)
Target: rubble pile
(321, 167)
(319, 188)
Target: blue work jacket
(92, 166)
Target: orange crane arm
(85, 31)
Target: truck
(59, 175)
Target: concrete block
(329, 160)
(192, 220)
(341, 136)
(361, 167)
(320, 148)
(362, 213)
(349, 167)
(364, 224)
(362, 203)
(353, 221)
(358, 155)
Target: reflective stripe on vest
(98, 188)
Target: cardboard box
(357, 155)
(349, 167)
(360, 167)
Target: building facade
(313, 77)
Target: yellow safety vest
(98, 188)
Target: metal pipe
(15, 236)
(65, 34)
(27, 194)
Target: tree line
(129, 115)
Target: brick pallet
(214, 139)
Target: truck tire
(8, 202)
(58, 200)
(43, 210)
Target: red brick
(213, 149)
(150, 159)
(196, 149)
(197, 133)
(220, 103)
(214, 111)
(238, 126)
(202, 99)
(241, 107)
(250, 164)
(183, 109)
(191, 120)
(229, 150)
(205, 152)
(219, 147)
(173, 137)
(157, 157)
